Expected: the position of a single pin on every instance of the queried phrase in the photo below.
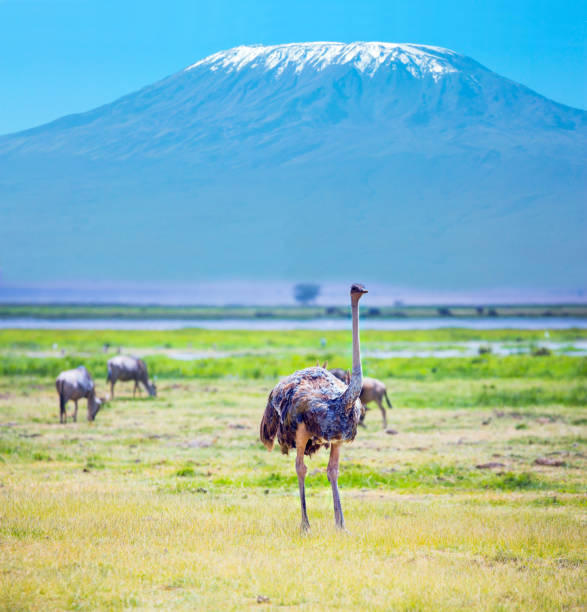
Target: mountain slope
(401, 163)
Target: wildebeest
(73, 385)
(373, 391)
(124, 367)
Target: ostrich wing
(312, 396)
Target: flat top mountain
(399, 162)
(367, 58)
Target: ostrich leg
(111, 389)
(302, 437)
(332, 472)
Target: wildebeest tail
(387, 399)
(61, 399)
(269, 424)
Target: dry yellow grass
(97, 545)
(162, 504)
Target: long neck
(354, 389)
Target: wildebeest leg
(332, 472)
(302, 437)
(382, 408)
(362, 419)
(135, 388)
(75, 411)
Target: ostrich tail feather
(269, 424)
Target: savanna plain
(473, 498)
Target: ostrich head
(357, 291)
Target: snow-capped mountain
(286, 97)
(275, 157)
(366, 57)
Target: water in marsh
(577, 348)
(287, 324)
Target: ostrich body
(312, 408)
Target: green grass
(270, 366)
(267, 355)
(227, 340)
(120, 311)
(173, 503)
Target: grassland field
(300, 312)
(475, 500)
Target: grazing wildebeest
(373, 391)
(73, 385)
(124, 367)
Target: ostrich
(312, 408)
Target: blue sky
(63, 56)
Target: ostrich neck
(354, 389)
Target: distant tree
(444, 312)
(304, 293)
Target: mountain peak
(367, 57)
(277, 162)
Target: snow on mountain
(290, 99)
(276, 157)
(366, 57)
